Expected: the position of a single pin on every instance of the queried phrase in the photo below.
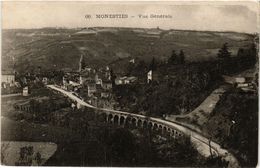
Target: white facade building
(8, 78)
(25, 91)
(149, 76)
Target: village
(91, 85)
(171, 90)
(96, 86)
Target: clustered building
(91, 85)
(95, 86)
(9, 85)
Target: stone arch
(164, 128)
(160, 128)
(173, 133)
(145, 124)
(127, 121)
(122, 120)
(110, 118)
(116, 119)
(134, 121)
(150, 125)
(155, 126)
(139, 123)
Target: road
(202, 112)
(201, 142)
(11, 95)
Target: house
(8, 77)
(91, 88)
(17, 84)
(152, 76)
(64, 81)
(125, 80)
(130, 79)
(82, 79)
(105, 94)
(99, 81)
(101, 93)
(75, 85)
(245, 83)
(87, 74)
(149, 76)
(240, 79)
(25, 91)
(132, 61)
(106, 103)
(45, 80)
(120, 80)
(105, 100)
(93, 100)
(107, 85)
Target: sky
(212, 16)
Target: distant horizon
(197, 16)
(172, 29)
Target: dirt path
(11, 95)
(199, 116)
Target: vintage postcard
(129, 83)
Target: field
(11, 156)
(61, 48)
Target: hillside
(61, 48)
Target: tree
(240, 52)
(225, 63)
(153, 64)
(253, 54)
(141, 67)
(25, 158)
(173, 58)
(38, 158)
(182, 57)
(223, 52)
(130, 68)
(113, 77)
(122, 146)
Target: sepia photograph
(129, 83)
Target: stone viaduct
(139, 121)
(162, 126)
